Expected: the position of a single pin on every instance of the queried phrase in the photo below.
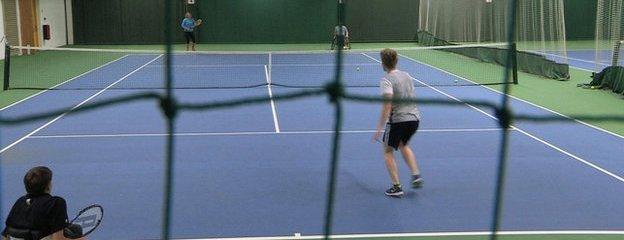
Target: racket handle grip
(72, 231)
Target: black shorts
(190, 37)
(401, 132)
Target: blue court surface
(261, 170)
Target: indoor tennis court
(269, 136)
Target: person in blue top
(188, 25)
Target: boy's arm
(385, 112)
(385, 115)
(386, 109)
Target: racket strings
(89, 219)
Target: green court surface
(561, 96)
(51, 69)
(570, 45)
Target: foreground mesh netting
(333, 89)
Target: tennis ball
(456, 80)
(357, 69)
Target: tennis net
(82, 68)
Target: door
(29, 22)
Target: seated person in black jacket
(37, 215)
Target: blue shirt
(188, 24)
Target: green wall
(244, 21)
(272, 21)
(267, 21)
(118, 21)
(90, 21)
(580, 19)
(382, 20)
(225, 21)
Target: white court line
(66, 81)
(125, 135)
(575, 59)
(588, 163)
(452, 97)
(274, 111)
(580, 68)
(368, 56)
(259, 65)
(206, 65)
(322, 64)
(517, 98)
(571, 58)
(427, 234)
(77, 106)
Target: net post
(7, 66)
(514, 62)
(270, 67)
(616, 53)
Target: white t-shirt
(400, 85)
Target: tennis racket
(198, 22)
(88, 219)
(383, 134)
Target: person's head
(188, 15)
(38, 180)
(388, 59)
